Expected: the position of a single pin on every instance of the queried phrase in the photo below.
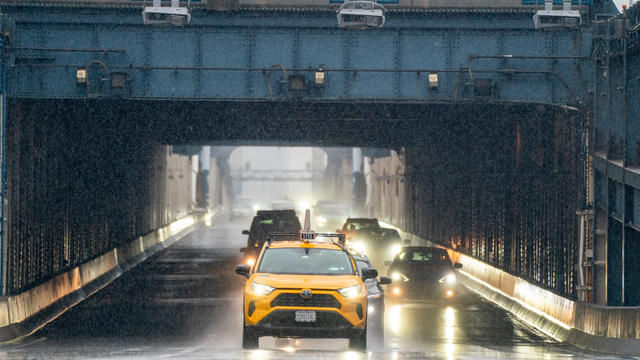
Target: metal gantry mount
(361, 14)
(554, 19)
(166, 15)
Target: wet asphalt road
(185, 304)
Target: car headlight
(359, 247)
(351, 291)
(449, 279)
(396, 276)
(395, 249)
(261, 289)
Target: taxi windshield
(306, 261)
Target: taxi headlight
(396, 276)
(395, 249)
(449, 279)
(261, 289)
(351, 291)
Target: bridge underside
(360, 124)
(98, 177)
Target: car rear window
(427, 257)
(359, 225)
(306, 261)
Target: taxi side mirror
(369, 273)
(384, 280)
(243, 270)
(457, 266)
(245, 232)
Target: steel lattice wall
(83, 178)
(504, 187)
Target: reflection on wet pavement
(185, 303)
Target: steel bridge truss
(418, 56)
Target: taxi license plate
(305, 316)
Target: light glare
(359, 247)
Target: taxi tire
(249, 341)
(358, 341)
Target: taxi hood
(288, 281)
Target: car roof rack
(307, 234)
(340, 239)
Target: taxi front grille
(316, 300)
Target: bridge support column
(203, 177)
(3, 169)
(359, 183)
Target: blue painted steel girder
(229, 55)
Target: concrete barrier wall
(557, 307)
(22, 314)
(606, 329)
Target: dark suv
(265, 222)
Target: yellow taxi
(308, 287)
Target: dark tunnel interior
(496, 181)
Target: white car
(329, 215)
(282, 205)
(242, 208)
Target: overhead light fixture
(81, 76)
(297, 82)
(166, 15)
(319, 78)
(433, 81)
